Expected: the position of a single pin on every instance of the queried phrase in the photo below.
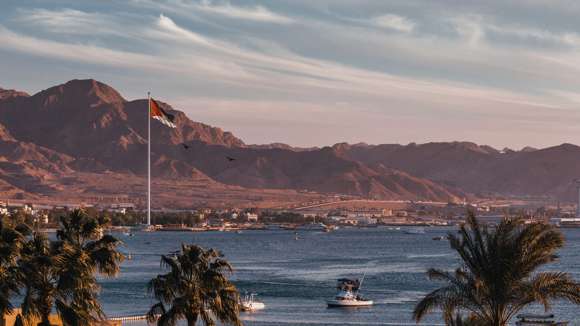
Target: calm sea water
(295, 277)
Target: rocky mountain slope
(87, 127)
(84, 126)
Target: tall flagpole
(148, 158)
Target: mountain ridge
(85, 126)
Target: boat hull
(349, 303)
(253, 306)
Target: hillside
(85, 126)
(87, 129)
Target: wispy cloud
(255, 13)
(394, 22)
(70, 21)
(411, 68)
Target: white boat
(348, 295)
(312, 227)
(250, 304)
(415, 231)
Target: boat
(440, 238)
(537, 320)
(249, 303)
(312, 227)
(415, 231)
(348, 294)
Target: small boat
(250, 304)
(440, 238)
(537, 320)
(348, 295)
(415, 231)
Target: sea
(295, 277)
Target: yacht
(348, 294)
(249, 303)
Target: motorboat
(537, 320)
(249, 303)
(348, 295)
(440, 238)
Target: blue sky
(303, 72)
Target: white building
(252, 217)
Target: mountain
(83, 138)
(86, 128)
(7, 94)
(481, 169)
(323, 170)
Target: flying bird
(230, 158)
(185, 146)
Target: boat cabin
(348, 285)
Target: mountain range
(83, 141)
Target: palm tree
(196, 287)
(83, 252)
(498, 276)
(39, 276)
(11, 241)
(62, 273)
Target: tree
(37, 268)
(61, 273)
(498, 276)
(11, 241)
(196, 287)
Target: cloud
(70, 21)
(256, 13)
(443, 67)
(476, 28)
(169, 25)
(469, 28)
(394, 22)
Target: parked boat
(249, 303)
(348, 294)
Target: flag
(158, 113)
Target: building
(252, 217)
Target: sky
(312, 73)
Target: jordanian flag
(158, 113)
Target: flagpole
(148, 158)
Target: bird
(230, 158)
(185, 146)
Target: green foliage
(12, 239)
(62, 273)
(195, 288)
(498, 276)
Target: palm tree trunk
(191, 320)
(45, 321)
